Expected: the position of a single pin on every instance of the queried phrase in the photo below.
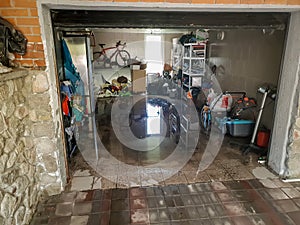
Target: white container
(135, 67)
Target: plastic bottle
(211, 96)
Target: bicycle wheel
(122, 58)
(98, 59)
(205, 117)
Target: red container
(263, 139)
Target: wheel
(98, 59)
(122, 58)
(205, 118)
(174, 127)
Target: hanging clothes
(69, 68)
(77, 85)
(66, 89)
(65, 106)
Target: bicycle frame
(121, 59)
(103, 51)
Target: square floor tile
(291, 192)
(277, 194)
(81, 183)
(64, 209)
(163, 215)
(297, 201)
(39, 221)
(295, 216)
(234, 209)
(60, 220)
(138, 203)
(202, 212)
(245, 195)
(119, 204)
(192, 213)
(153, 216)
(139, 216)
(222, 221)
(94, 219)
(82, 208)
(226, 196)
(121, 217)
(119, 194)
(203, 187)
(241, 220)
(255, 184)
(218, 186)
(287, 205)
(79, 220)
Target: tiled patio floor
(245, 202)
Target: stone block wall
(29, 165)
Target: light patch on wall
(154, 53)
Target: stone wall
(293, 149)
(28, 145)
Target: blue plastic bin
(240, 128)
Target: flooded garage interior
(241, 56)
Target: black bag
(244, 108)
(11, 40)
(122, 79)
(188, 38)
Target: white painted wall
(287, 104)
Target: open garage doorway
(240, 55)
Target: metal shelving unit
(193, 69)
(193, 64)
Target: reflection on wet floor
(147, 120)
(247, 202)
(121, 166)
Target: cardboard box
(138, 78)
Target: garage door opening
(197, 66)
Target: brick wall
(23, 15)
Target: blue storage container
(240, 128)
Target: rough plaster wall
(55, 104)
(28, 154)
(293, 149)
(250, 59)
(284, 156)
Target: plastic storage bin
(240, 128)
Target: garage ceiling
(167, 19)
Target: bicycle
(205, 118)
(122, 57)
